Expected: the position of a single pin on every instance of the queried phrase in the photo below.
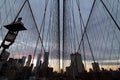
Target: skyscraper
(29, 60)
(38, 60)
(5, 55)
(76, 63)
(23, 60)
(45, 63)
(44, 66)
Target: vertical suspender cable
(49, 26)
(59, 31)
(75, 30)
(64, 2)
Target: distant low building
(68, 71)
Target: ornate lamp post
(10, 37)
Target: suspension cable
(20, 10)
(110, 15)
(36, 25)
(86, 25)
(48, 32)
(44, 23)
(44, 15)
(86, 35)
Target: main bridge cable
(85, 28)
(110, 14)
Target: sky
(100, 28)
(97, 16)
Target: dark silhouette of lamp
(10, 37)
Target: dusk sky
(102, 32)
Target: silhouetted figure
(102, 69)
(90, 70)
(29, 60)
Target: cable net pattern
(42, 30)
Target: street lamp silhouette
(10, 37)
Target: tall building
(29, 60)
(38, 60)
(45, 63)
(76, 63)
(23, 60)
(44, 66)
(5, 55)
